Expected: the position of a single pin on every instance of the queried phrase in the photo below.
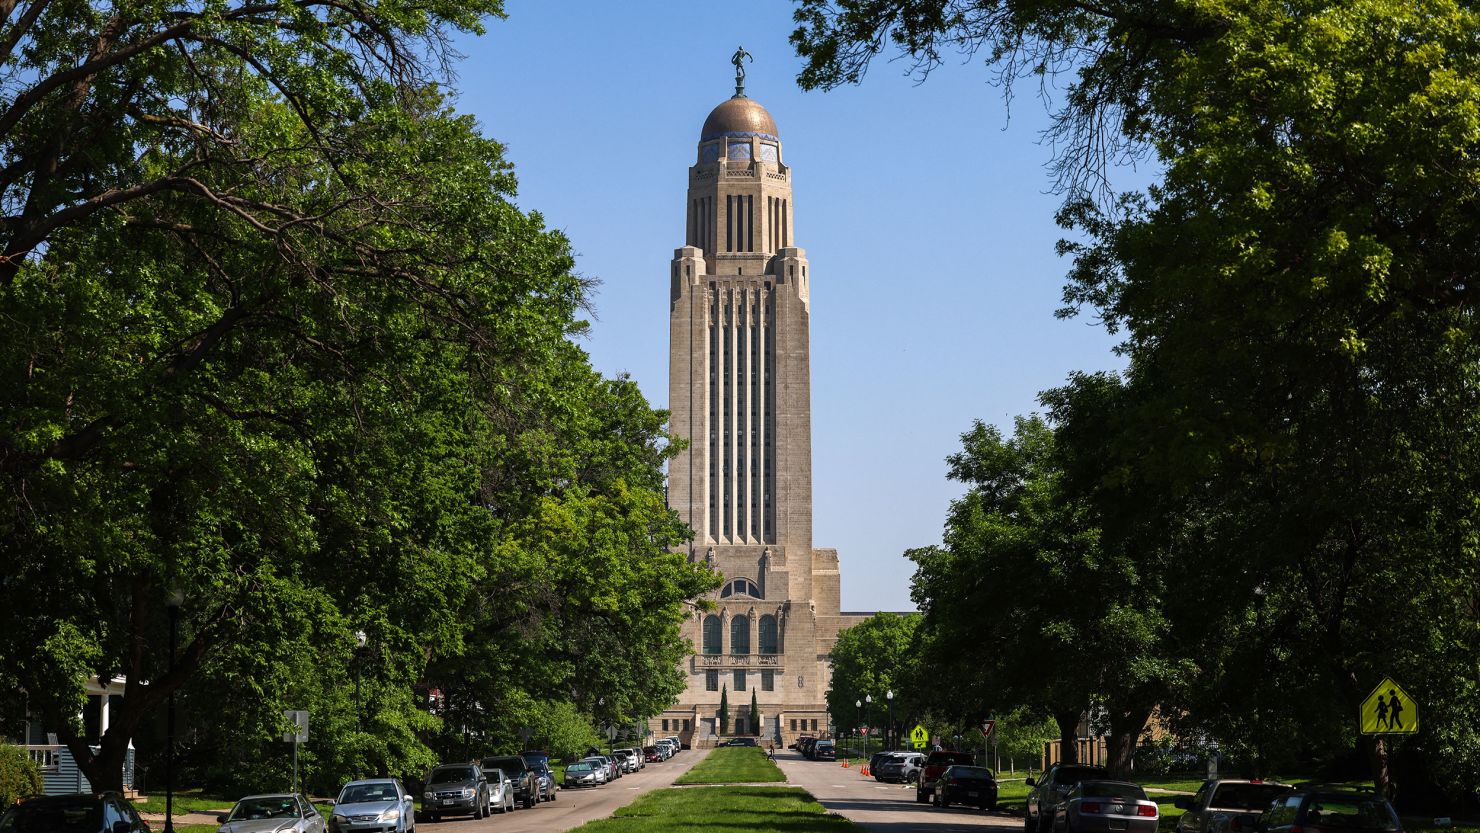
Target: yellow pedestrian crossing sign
(1388, 710)
(919, 737)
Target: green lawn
(733, 765)
(186, 801)
(723, 810)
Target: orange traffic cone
(863, 771)
(845, 763)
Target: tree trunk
(1125, 729)
(1068, 722)
(1377, 753)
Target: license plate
(971, 794)
(447, 801)
(1117, 824)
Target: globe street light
(172, 604)
(889, 730)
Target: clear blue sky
(923, 210)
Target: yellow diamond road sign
(1388, 710)
(919, 737)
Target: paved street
(884, 807)
(573, 808)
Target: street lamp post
(858, 704)
(360, 640)
(889, 730)
(868, 700)
(172, 604)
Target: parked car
(900, 768)
(500, 791)
(936, 763)
(583, 774)
(525, 780)
(1105, 806)
(373, 804)
(625, 759)
(876, 759)
(652, 754)
(608, 772)
(1049, 790)
(824, 750)
(797, 744)
(966, 784)
(546, 778)
(741, 742)
(806, 746)
(1329, 811)
(106, 812)
(455, 790)
(639, 761)
(272, 813)
(1227, 805)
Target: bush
(19, 775)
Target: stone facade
(740, 393)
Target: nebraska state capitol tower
(740, 393)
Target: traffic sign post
(987, 727)
(1388, 710)
(296, 735)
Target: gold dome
(738, 116)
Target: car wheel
(945, 801)
(529, 801)
(920, 796)
(991, 805)
(1028, 825)
(432, 817)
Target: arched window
(741, 587)
(711, 634)
(770, 643)
(740, 635)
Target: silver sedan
(1106, 807)
(272, 813)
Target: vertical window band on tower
(729, 223)
(750, 223)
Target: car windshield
(83, 816)
(1075, 774)
(1247, 796)
(448, 774)
(367, 793)
(580, 767)
(1351, 814)
(971, 772)
(1111, 789)
(271, 807)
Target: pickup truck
(934, 765)
(1227, 805)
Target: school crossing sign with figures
(1388, 710)
(919, 737)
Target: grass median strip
(723, 810)
(733, 765)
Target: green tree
(724, 710)
(19, 775)
(330, 388)
(871, 658)
(755, 715)
(1295, 301)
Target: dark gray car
(1047, 792)
(455, 790)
